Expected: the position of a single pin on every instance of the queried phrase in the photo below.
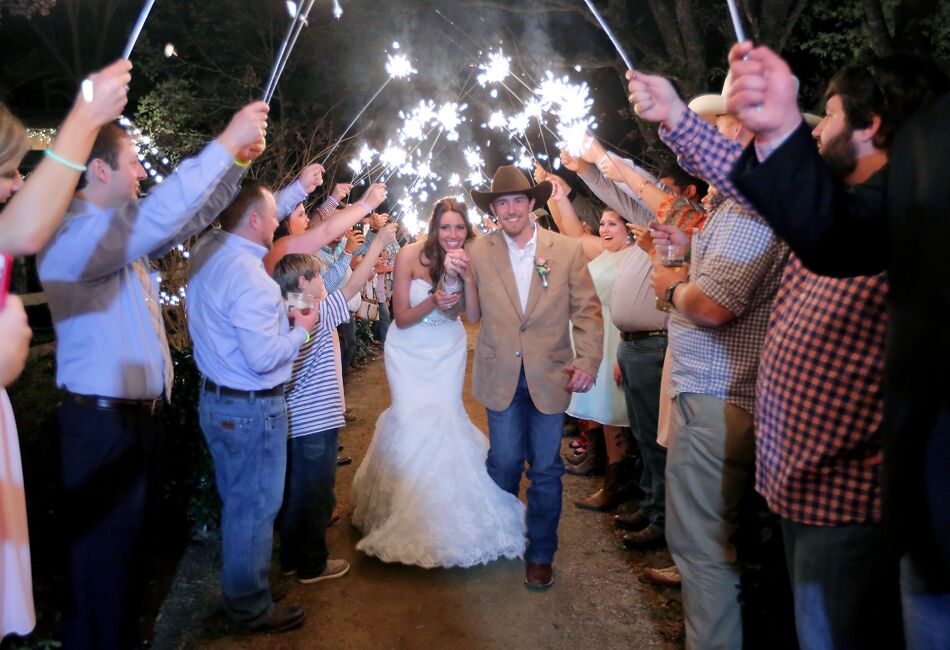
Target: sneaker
(281, 619)
(335, 569)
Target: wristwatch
(670, 289)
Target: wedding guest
(717, 326)
(113, 360)
(244, 348)
(906, 203)
(31, 213)
(315, 415)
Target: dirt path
(598, 600)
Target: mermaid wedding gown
(422, 495)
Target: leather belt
(371, 301)
(146, 406)
(212, 387)
(639, 336)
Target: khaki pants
(709, 467)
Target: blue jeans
(845, 586)
(522, 432)
(381, 327)
(247, 437)
(347, 332)
(308, 502)
(641, 365)
(925, 596)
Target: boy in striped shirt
(315, 415)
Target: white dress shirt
(522, 264)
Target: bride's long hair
(433, 257)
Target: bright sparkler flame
(473, 158)
(475, 178)
(455, 180)
(356, 165)
(337, 9)
(497, 120)
(366, 154)
(496, 69)
(574, 138)
(449, 116)
(518, 123)
(398, 66)
(393, 156)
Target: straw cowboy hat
(710, 106)
(511, 180)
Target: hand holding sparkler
(340, 190)
(104, 94)
(247, 128)
(373, 197)
(654, 98)
(569, 162)
(311, 177)
(764, 93)
(252, 152)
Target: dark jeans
(308, 502)
(925, 595)
(641, 365)
(347, 332)
(846, 587)
(247, 437)
(521, 432)
(381, 327)
(108, 467)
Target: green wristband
(49, 153)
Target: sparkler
(139, 24)
(610, 34)
(398, 66)
(736, 21)
(290, 40)
(337, 9)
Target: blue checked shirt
(737, 262)
(106, 342)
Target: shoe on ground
(584, 468)
(599, 501)
(633, 521)
(577, 458)
(334, 569)
(649, 537)
(282, 619)
(335, 517)
(287, 573)
(349, 418)
(538, 576)
(344, 460)
(668, 577)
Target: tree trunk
(880, 36)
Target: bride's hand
(444, 300)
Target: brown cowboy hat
(511, 180)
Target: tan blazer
(540, 337)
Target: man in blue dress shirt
(113, 359)
(245, 347)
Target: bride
(422, 495)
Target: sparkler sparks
(495, 70)
(398, 66)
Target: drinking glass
(298, 302)
(672, 255)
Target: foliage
(26, 8)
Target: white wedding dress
(422, 495)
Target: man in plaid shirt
(716, 332)
(820, 403)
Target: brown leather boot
(607, 497)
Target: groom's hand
(580, 381)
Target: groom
(532, 284)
